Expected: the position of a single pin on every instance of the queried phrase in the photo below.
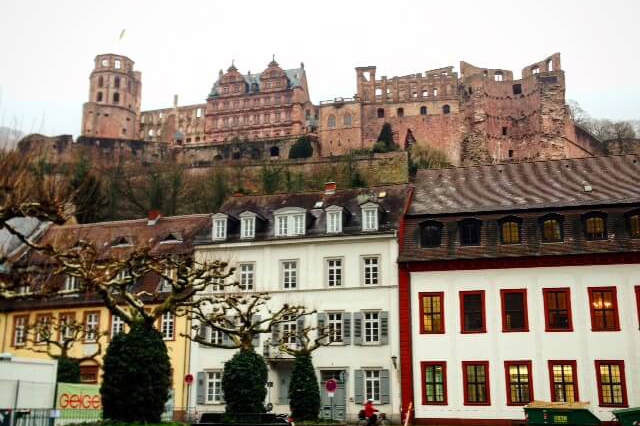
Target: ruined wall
(180, 125)
(340, 126)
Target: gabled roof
(527, 185)
(294, 75)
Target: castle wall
(161, 125)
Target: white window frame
(289, 274)
(20, 331)
(91, 326)
(171, 275)
(168, 326)
(289, 328)
(215, 336)
(64, 319)
(334, 219)
(219, 231)
(213, 390)
(371, 328)
(372, 385)
(334, 270)
(117, 325)
(368, 270)
(335, 327)
(290, 222)
(71, 283)
(370, 217)
(247, 225)
(247, 275)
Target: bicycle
(381, 421)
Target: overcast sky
(48, 47)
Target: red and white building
(521, 282)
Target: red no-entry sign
(331, 385)
(188, 379)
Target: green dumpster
(628, 416)
(560, 413)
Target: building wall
(537, 345)
(180, 125)
(313, 293)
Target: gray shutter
(226, 340)
(384, 328)
(200, 387)
(346, 328)
(385, 388)
(299, 331)
(359, 386)
(321, 319)
(256, 337)
(275, 334)
(202, 332)
(357, 328)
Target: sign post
(188, 379)
(331, 385)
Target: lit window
(612, 388)
(117, 325)
(634, 225)
(371, 322)
(372, 385)
(248, 227)
(371, 270)
(434, 383)
(564, 387)
(604, 309)
(214, 386)
(19, 330)
(557, 309)
(431, 308)
(334, 222)
(551, 229)
(167, 326)
(510, 231)
(370, 219)
(473, 313)
(595, 227)
(220, 229)
(519, 384)
(91, 326)
(334, 272)
(514, 310)
(335, 327)
(476, 382)
(246, 276)
(289, 274)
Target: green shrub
(68, 370)
(136, 379)
(385, 141)
(244, 383)
(304, 394)
(301, 148)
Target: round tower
(113, 108)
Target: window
(370, 219)
(214, 387)
(514, 310)
(564, 381)
(247, 273)
(347, 119)
(20, 330)
(215, 336)
(470, 232)
(430, 234)
(634, 225)
(116, 82)
(334, 272)
(371, 321)
(432, 310)
(116, 98)
(604, 309)
(371, 270)
(99, 97)
(289, 273)
(434, 383)
(595, 226)
(535, 70)
(334, 222)
(289, 330)
(510, 231)
(372, 385)
(551, 228)
(290, 224)
(283, 222)
(43, 330)
(519, 382)
(219, 229)
(335, 327)
(380, 112)
(167, 326)
(475, 375)
(117, 325)
(117, 64)
(105, 62)
(170, 276)
(557, 309)
(248, 227)
(517, 89)
(400, 112)
(100, 81)
(423, 110)
(332, 121)
(472, 311)
(446, 109)
(89, 373)
(612, 388)
(66, 323)
(71, 283)
(91, 326)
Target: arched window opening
(549, 65)
(446, 109)
(100, 82)
(497, 76)
(99, 97)
(510, 230)
(116, 82)
(331, 122)
(517, 89)
(347, 119)
(116, 98)
(430, 234)
(400, 112)
(378, 92)
(425, 93)
(535, 70)
(423, 110)
(435, 92)
(380, 112)
(274, 151)
(551, 229)
(117, 64)
(236, 155)
(595, 226)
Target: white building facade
(334, 253)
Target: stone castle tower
(113, 109)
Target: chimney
(153, 217)
(329, 188)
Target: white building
(333, 252)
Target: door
(333, 408)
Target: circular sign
(188, 379)
(331, 385)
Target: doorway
(333, 408)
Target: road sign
(188, 379)
(331, 385)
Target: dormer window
(334, 219)
(595, 225)
(290, 221)
(71, 283)
(173, 237)
(470, 232)
(370, 216)
(248, 227)
(122, 242)
(220, 226)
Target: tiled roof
(294, 76)
(527, 185)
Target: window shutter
(357, 328)
(200, 387)
(202, 332)
(226, 340)
(321, 321)
(384, 328)
(359, 386)
(299, 331)
(385, 388)
(256, 337)
(275, 334)
(346, 328)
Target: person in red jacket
(370, 413)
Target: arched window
(470, 232)
(634, 223)
(400, 112)
(446, 109)
(274, 151)
(435, 92)
(380, 112)
(331, 122)
(116, 98)
(595, 225)
(99, 97)
(430, 234)
(100, 81)
(423, 110)
(510, 230)
(347, 119)
(551, 228)
(116, 82)
(117, 64)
